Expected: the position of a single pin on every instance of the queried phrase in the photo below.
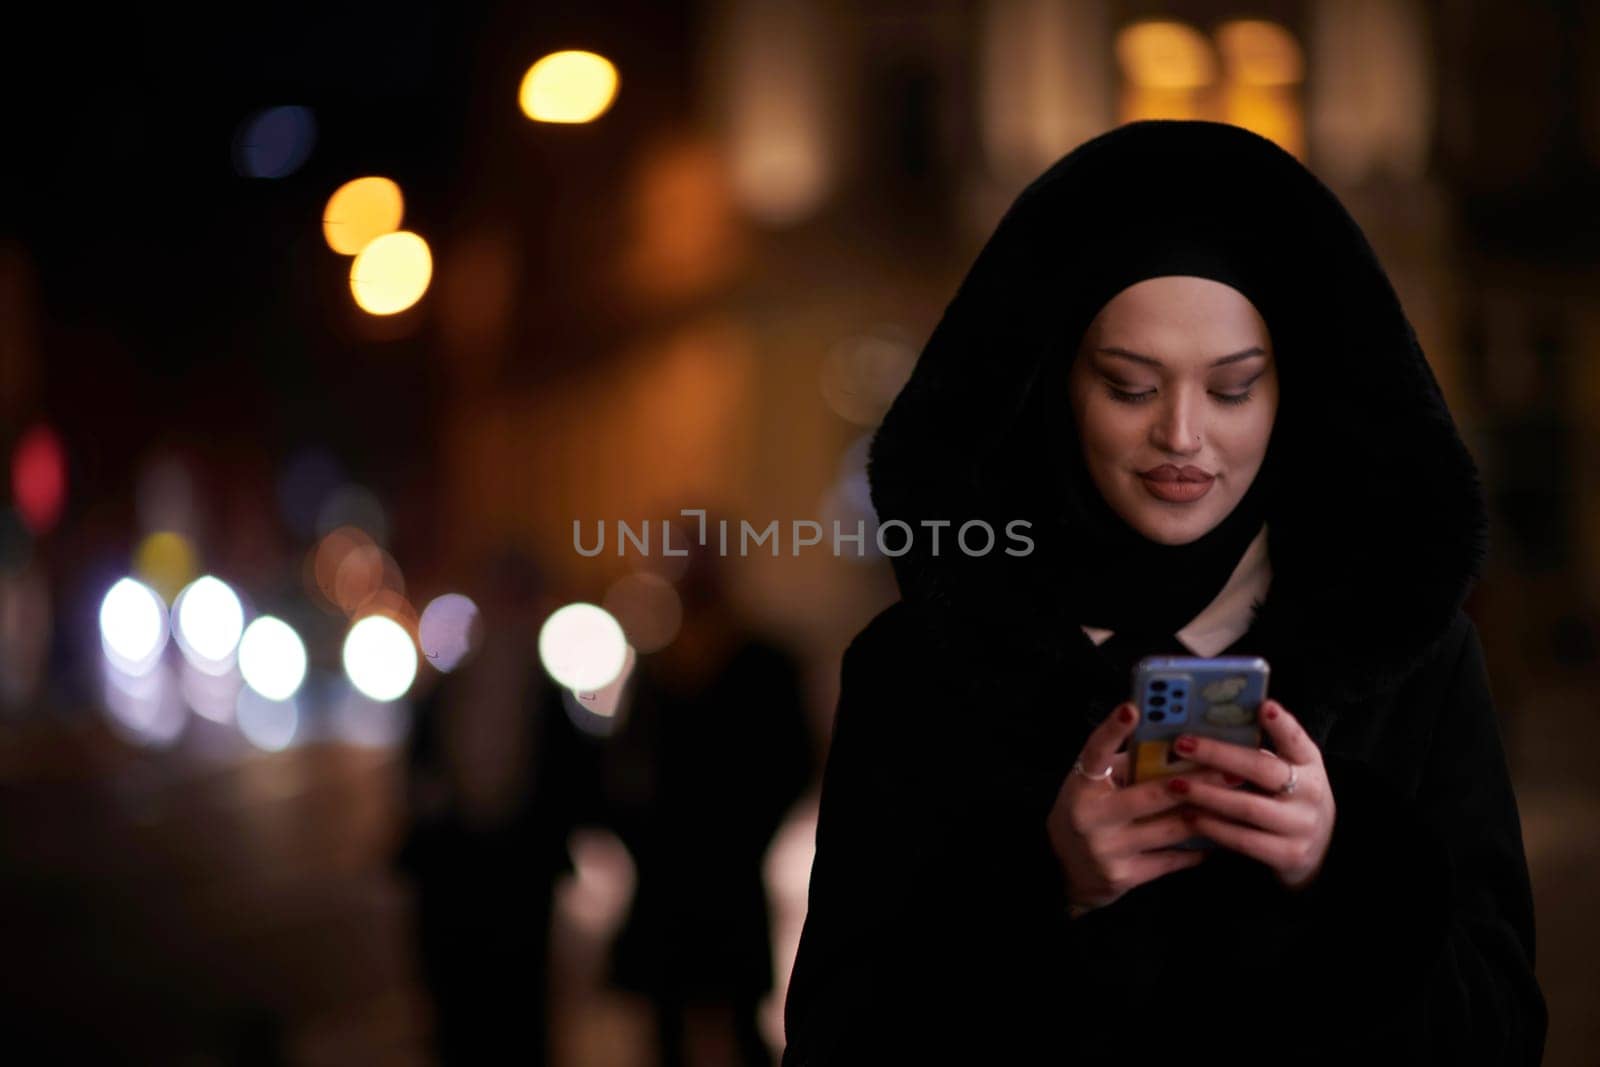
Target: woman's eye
(1125, 397)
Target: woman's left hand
(1289, 832)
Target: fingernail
(1126, 714)
(1271, 711)
(1178, 785)
(1184, 744)
(1231, 779)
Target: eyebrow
(1151, 361)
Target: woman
(1171, 301)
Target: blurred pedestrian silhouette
(497, 777)
(712, 750)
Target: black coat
(937, 924)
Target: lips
(1167, 472)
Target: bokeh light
(570, 86)
(391, 273)
(133, 626)
(274, 142)
(325, 558)
(1259, 52)
(209, 621)
(582, 647)
(599, 711)
(363, 573)
(210, 694)
(448, 630)
(272, 658)
(144, 709)
(39, 479)
(862, 374)
(1165, 54)
(647, 607)
(270, 725)
(359, 720)
(166, 561)
(380, 658)
(346, 571)
(772, 76)
(360, 211)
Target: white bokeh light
(380, 658)
(210, 695)
(144, 709)
(272, 658)
(133, 626)
(582, 646)
(268, 724)
(447, 630)
(210, 620)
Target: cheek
(1244, 446)
(1111, 435)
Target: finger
(1252, 764)
(1145, 799)
(1265, 813)
(1272, 849)
(1162, 832)
(1119, 769)
(1288, 736)
(1104, 740)
(1152, 865)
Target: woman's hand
(1288, 832)
(1103, 833)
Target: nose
(1177, 426)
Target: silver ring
(1287, 789)
(1105, 775)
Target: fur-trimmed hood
(1374, 541)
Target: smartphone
(1217, 697)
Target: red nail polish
(1271, 711)
(1184, 744)
(1126, 714)
(1178, 785)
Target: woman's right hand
(1103, 832)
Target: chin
(1172, 524)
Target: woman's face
(1175, 379)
